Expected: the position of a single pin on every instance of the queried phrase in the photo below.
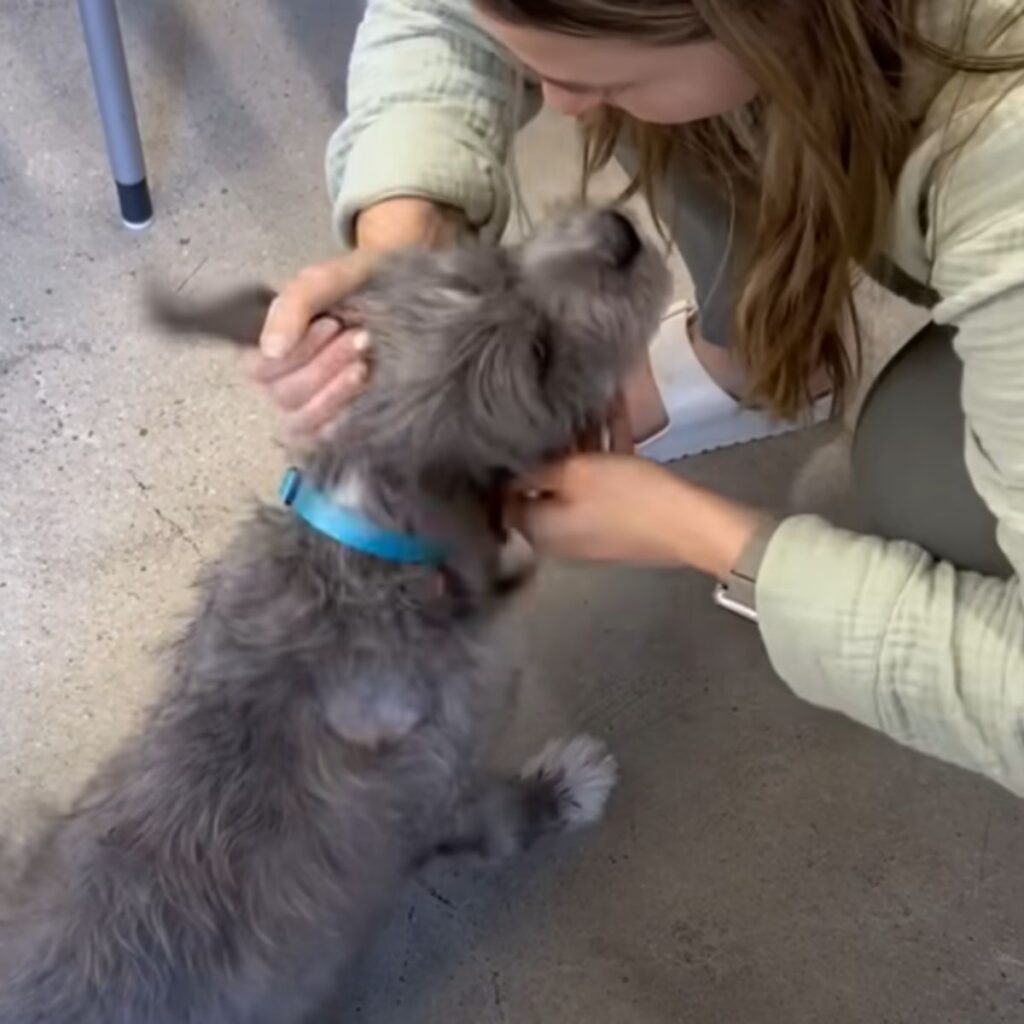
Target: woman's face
(657, 84)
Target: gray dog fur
(326, 718)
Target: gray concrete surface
(762, 863)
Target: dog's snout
(623, 238)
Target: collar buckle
(289, 487)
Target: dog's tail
(235, 317)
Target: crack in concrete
(498, 1003)
(163, 517)
(188, 277)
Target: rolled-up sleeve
(433, 105)
(879, 630)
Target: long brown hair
(811, 165)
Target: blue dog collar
(349, 528)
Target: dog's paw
(580, 773)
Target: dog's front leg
(566, 786)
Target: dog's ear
(507, 388)
(538, 385)
(236, 317)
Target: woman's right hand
(311, 365)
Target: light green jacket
(877, 630)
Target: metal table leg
(117, 110)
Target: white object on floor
(701, 416)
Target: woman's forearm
(618, 508)
(711, 531)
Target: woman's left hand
(620, 508)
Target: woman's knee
(908, 458)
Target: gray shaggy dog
(327, 714)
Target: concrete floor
(762, 862)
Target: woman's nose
(570, 103)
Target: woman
(787, 142)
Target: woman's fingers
(311, 385)
(309, 364)
(311, 292)
(323, 409)
(265, 371)
(604, 507)
(333, 359)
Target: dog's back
(230, 859)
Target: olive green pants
(908, 450)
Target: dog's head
(486, 363)
(490, 361)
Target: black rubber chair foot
(136, 205)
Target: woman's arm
(618, 508)
(879, 630)
(432, 110)
(876, 630)
(419, 159)
(933, 656)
